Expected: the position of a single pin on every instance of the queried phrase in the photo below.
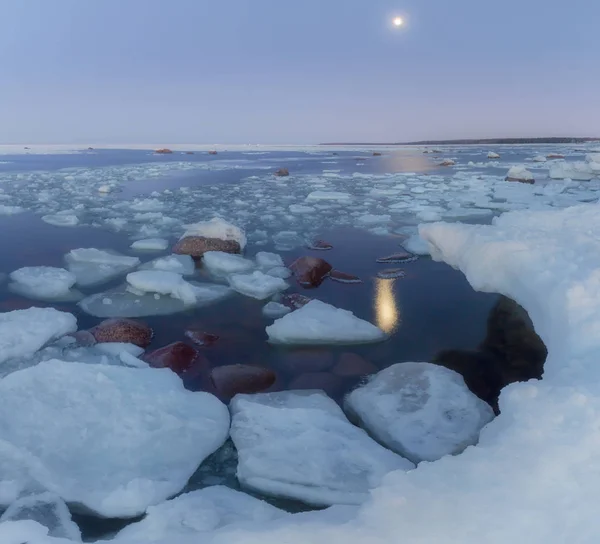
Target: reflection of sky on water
(387, 314)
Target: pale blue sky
(277, 71)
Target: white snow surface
(223, 264)
(217, 228)
(320, 323)
(23, 332)
(420, 410)
(299, 444)
(44, 281)
(109, 439)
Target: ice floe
(163, 283)
(257, 285)
(180, 264)
(223, 264)
(150, 244)
(43, 282)
(93, 266)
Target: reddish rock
(201, 338)
(212, 152)
(376, 154)
(555, 156)
(282, 172)
(294, 300)
(189, 152)
(230, 380)
(306, 360)
(163, 151)
(519, 180)
(196, 246)
(83, 338)
(353, 365)
(310, 271)
(332, 385)
(342, 277)
(400, 257)
(123, 330)
(178, 356)
(320, 245)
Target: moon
(398, 21)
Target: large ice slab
(299, 445)
(43, 281)
(180, 264)
(150, 244)
(420, 410)
(220, 263)
(111, 440)
(195, 514)
(93, 266)
(46, 509)
(257, 285)
(23, 332)
(321, 323)
(163, 283)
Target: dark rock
(178, 356)
(342, 277)
(555, 156)
(320, 245)
(201, 338)
(447, 162)
(294, 300)
(306, 360)
(353, 365)
(400, 257)
(212, 152)
(163, 151)
(196, 246)
(230, 380)
(310, 271)
(282, 172)
(332, 385)
(391, 273)
(376, 154)
(189, 152)
(123, 330)
(529, 181)
(90, 149)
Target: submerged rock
(324, 381)
(310, 271)
(294, 300)
(123, 330)
(420, 410)
(376, 154)
(391, 273)
(163, 151)
(212, 152)
(197, 246)
(201, 338)
(320, 245)
(230, 380)
(306, 360)
(342, 277)
(178, 356)
(282, 172)
(353, 365)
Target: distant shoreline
(487, 141)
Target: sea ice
(108, 439)
(416, 245)
(201, 511)
(163, 283)
(150, 244)
(61, 220)
(257, 285)
(46, 509)
(520, 173)
(579, 171)
(420, 410)
(94, 266)
(320, 323)
(180, 264)
(317, 196)
(299, 445)
(275, 310)
(44, 281)
(223, 264)
(217, 228)
(266, 261)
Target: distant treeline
(490, 141)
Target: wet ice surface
(365, 209)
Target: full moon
(398, 21)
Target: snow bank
(299, 444)
(109, 439)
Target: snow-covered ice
(420, 410)
(320, 323)
(267, 261)
(299, 444)
(150, 244)
(108, 439)
(275, 310)
(44, 281)
(180, 264)
(520, 173)
(199, 512)
(46, 509)
(257, 285)
(163, 283)
(220, 263)
(580, 171)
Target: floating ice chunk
(579, 171)
(317, 196)
(61, 220)
(105, 189)
(198, 512)
(223, 264)
(257, 285)
(23, 332)
(93, 266)
(116, 348)
(163, 283)
(287, 240)
(467, 213)
(299, 445)
(320, 323)
(44, 281)
(593, 157)
(180, 264)
(112, 440)
(275, 310)
(519, 173)
(265, 260)
(300, 209)
(121, 302)
(150, 244)
(48, 510)
(416, 245)
(217, 228)
(420, 410)
(279, 272)
(371, 219)
(147, 205)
